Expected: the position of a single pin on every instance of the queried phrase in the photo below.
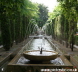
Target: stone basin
(36, 56)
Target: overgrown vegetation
(15, 17)
(76, 40)
(63, 22)
(43, 15)
(19, 19)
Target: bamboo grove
(63, 22)
(16, 21)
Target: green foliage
(15, 16)
(0, 40)
(69, 8)
(76, 39)
(6, 35)
(56, 12)
(43, 15)
(33, 26)
(64, 21)
(48, 29)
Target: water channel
(20, 61)
(35, 44)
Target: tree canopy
(15, 17)
(63, 22)
(43, 15)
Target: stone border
(9, 55)
(74, 61)
(54, 46)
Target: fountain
(36, 57)
(40, 55)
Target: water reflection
(40, 43)
(34, 46)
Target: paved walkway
(60, 46)
(5, 56)
(66, 50)
(76, 46)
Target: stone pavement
(6, 56)
(66, 50)
(72, 56)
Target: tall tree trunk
(72, 43)
(5, 30)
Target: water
(36, 43)
(34, 46)
(56, 62)
(44, 53)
